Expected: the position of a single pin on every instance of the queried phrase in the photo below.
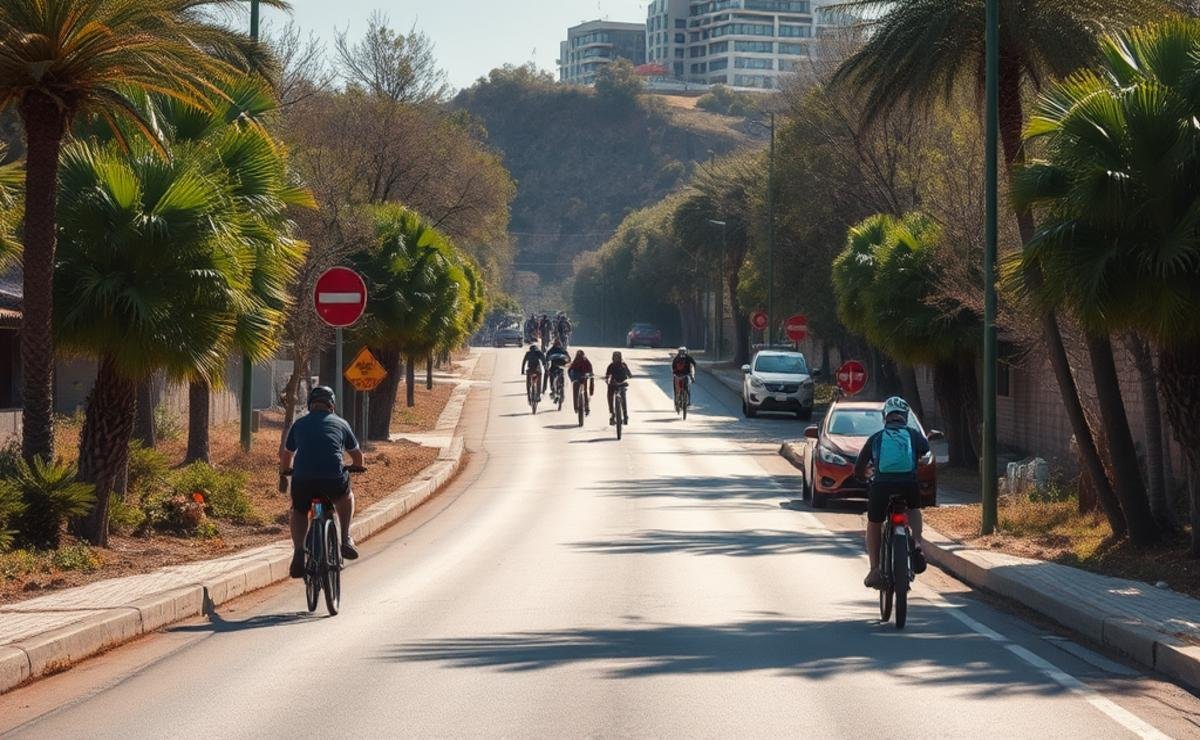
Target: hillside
(581, 164)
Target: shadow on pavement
(702, 488)
(217, 624)
(732, 543)
(931, 652)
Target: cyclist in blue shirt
(314, 451)
(893, 454)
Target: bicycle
(322, 551)
(895, 565)
(556, 387)
(620, 407)
(581, 397)
(533, 389)
(683, 394)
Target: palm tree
(921, 50)
(147, 270)
(1117, 188)
(63, 58)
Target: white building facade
(592, 45)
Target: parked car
(833, 446)
(643, 335)
(778, 380)
(507, 335)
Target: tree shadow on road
(732, 543)
(697, 487)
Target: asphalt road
(569, 584)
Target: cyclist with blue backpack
(893, 453)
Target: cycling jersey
(534, 360)
(683, 365)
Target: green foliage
(126, 515)
(727, 102)
(617, 85)
(79, 558)
(18, 563)
(175, 513)
(149, 470)
(167, 425)
(223, 492)
(12, 505)
(51, 496)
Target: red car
(645, 335)
(833, 447)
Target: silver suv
(778, 381)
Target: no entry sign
(759, 320)
(852, 377)
(797, 328)
(340, 296)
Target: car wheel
(820, 500)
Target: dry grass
(427, 407)
(1057, 532)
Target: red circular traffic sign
(797, 328)
(852, 377)
(759, 320)
(340, 296)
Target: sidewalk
(47, 634)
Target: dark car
(507, 335)
(643, 335)
(833, 447)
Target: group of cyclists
(548, 331)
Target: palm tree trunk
(143, 427)
(45, 124)
(1012, 121)
(429, 372)
(972, 408)
(104, 444)
(1130, 490)
(912, 392)
(1156, 486)
(199, 395)
(1179, 375)
(410, 381)
(383, 398)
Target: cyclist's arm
(864, 459)
(287, 451)
(356, 457)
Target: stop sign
(759, 320)
(852, 377)
(340, 296)
(797, 328)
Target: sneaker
(626, 422)
(874, 579)
(612, 421)
(296, 569)
(349, 551)
(919, 564)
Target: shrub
(175, 513)
(726, 102)
(10, 455)
(125, 514)
(167, 425)
(149, 470)
(17, 563)
(75, 557)
(51, 496)
(224, 491)
(12, 505)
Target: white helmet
(683, 350)
(895, 405)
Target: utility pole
(987, 464)
(247, 365)
(771, 238)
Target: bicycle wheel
(619, 407)
(900, 578)
(332, 568)
(312, 566)
(886, 593)
(684, 401)
(559, 391)
(580, 395)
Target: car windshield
(862, 422)
(643, 327)
(787, 364)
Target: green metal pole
(721, 291)
(991, 164)
(771, 239)
(247, 365)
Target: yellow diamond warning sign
(364, 372)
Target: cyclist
(616, 373)
(531, 367)
(683, 369)
(530, 328)
(544, 330)
(314, 451)
(580, 368)
(556, 359)
(564, 328)
(893, 453)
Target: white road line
(351, 298)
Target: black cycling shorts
(881, 493)
(304, 491)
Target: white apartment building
(592, 45)
(741, 43)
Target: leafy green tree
(149, 263)
(921, 50)
(618, 85)
(66, 58)
(1119, 244)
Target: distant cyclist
(894, 453)
(545, 329)
(531, 328)
(314, 451)
(617, 374)
(683, 369)
(556, 359)
(563, 328)
(580, 369)
(531, 368)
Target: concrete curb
(1150, 647)
(729, 383)
(54, 651)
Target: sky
(472, 36)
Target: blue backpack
(894, 452)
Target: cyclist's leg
(343, 504)
(612, 391)
(298, 524)
(877, 502)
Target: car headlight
(830, 457)
(927, 458)
(807, 385)
(756, 383)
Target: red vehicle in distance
(643, 335)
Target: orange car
(833, 447)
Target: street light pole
(991, 166)
(771, 238)
(248, 366)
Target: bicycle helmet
(895, 405)
(683, 350)
(321, 394)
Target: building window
(759, 81)
(679, 53)
(796, 50)
(679, 65)
(749, 63)
(744, 29)
(700, 68)
(756, 47)
(719, 47)
(680, 23)
(787, 65)
(697, 51)
(680, 38)
(788, 6)
(796, 32)
(717, 64)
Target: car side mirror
(816, 373)
(812, 432)
(935, 435)
(745, 369)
